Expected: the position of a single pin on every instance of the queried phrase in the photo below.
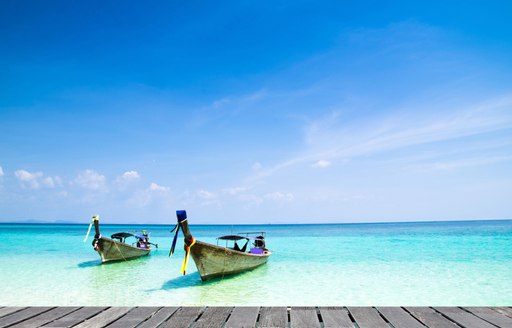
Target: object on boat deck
(214, 261)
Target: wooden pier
(279, 317)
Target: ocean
(434, 263)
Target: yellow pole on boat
(187, 253)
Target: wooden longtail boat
(116, 248)
(213, 261)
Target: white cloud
(145, 197)
(90, 179)
(130, 176)
(127, 179)
(235, 190)
(279, 196)
(157, 188)
(207, 198)
(206, 194)
(257, 166)
(321, 164)
(48, 182)
(1, 172)
(28, 179)
(35, 180)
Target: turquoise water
(443, 263)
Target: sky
(255, 111)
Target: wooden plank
(76, 317)
(430, 318)
(464, 318)
(8, 310)
(335, 318)
(22, 315)
(399, 318)
(491, 316)
(45, 317)
(273, 317)
(213, 317)
(184, 317)
(104, 318)
(159, 317)
(367, 317)
(243, 317)
(134, 317)
(304, 317)
(504, 310)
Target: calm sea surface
(444, 263)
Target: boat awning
(232, 237)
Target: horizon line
(62, 222)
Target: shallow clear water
(443, 263)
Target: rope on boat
(177, 229)
(119, 250)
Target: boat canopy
(232, 237)
(121, 235)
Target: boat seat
(256, 250)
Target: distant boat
(214, 261)
(118, 247)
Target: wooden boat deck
(230, 317)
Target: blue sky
(255, 112)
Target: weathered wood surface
(491, 315)
(273, 317)
(22, 315)
(133, 318)
(45, 317)
(104, 318)
(336, 317)
(399, 318)
(244, 317)
(462, 317)
(367, 317)
(304, 317)
(76, 317)
(159, 317)
(430, 318)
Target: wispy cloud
(257, 166)
(321, 164)
(208, 198)
(228, 106)
(279, 196)
(145, 197)
(234, 190)
(332, 139)
(462, 163)
(1, 172)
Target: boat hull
(214, 261)
(111, 250)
